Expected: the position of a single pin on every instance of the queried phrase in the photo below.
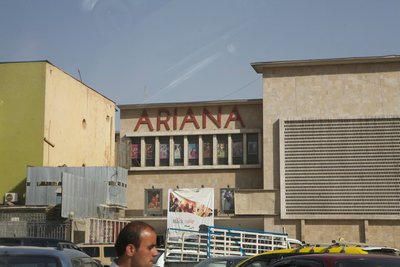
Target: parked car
(224, 261)
(267, 258)
(339, 260)
(36, 242)
(104, 252)
(25, 256)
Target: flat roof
(260, 66)
(193, 104)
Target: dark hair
(130, 234)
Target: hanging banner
(190, 208)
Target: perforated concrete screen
(340, 168)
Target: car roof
(51, 251)
(225, 258)
(33, 241)
(336, 256)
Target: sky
(162, 51)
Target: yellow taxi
(267, 258)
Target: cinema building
(317, 157)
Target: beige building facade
(326, 162)
(331, 148)
(226, 140)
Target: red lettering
(161, 121)
(144, 119)
(234, 116)
(175, 119)
(216, 121)
(189, 117)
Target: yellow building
(48, 118)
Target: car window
(395, 262)
(28, 261)
(221, 263)
(110, 252)
(84, 262)
(92, 251)
(298, 263)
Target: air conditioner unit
(11, 197)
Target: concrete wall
(79, 122)
(21, 123)
(48, 118)
(138, 181)
(328, 91)
(216, 176)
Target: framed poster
(221, 150)
(207, 150)
(178, 151)
(135, 151)
(153, 202)
(228, 200)
(164, 151)
(237, 149)
(149, 151)
(252, 147)
(193, 151)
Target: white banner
(191, 207)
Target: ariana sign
(169, 119)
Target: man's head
(136, 245)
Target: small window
(164, 151)
(178, 150)
(91, 251)
(193, 150)
(222, 149)
(252, 149)
(110, 252)
(150, 150)
(237, 149)
(207, 150)
(135, 152)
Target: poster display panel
(189, 208)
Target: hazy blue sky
(148, 51)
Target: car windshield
(28, 261)
(395, 262)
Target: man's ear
(130, 250)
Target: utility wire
(241, 88)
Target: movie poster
(190, 207)
(221, 150)
(207, 150)
(135, 151)
(193, 151)
(228, 200)
(149, 151)
(237, 149)
(164, 151)
(252, 148)
(153, 201)
(178, 151)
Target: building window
(237, 149)
(135, 152)
(252, 149)
(150, 147)
(222, 149)
(193, 150)
(178, 150)
(207, 149)
(164, 151)
(186, 150)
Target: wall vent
(340, 168)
